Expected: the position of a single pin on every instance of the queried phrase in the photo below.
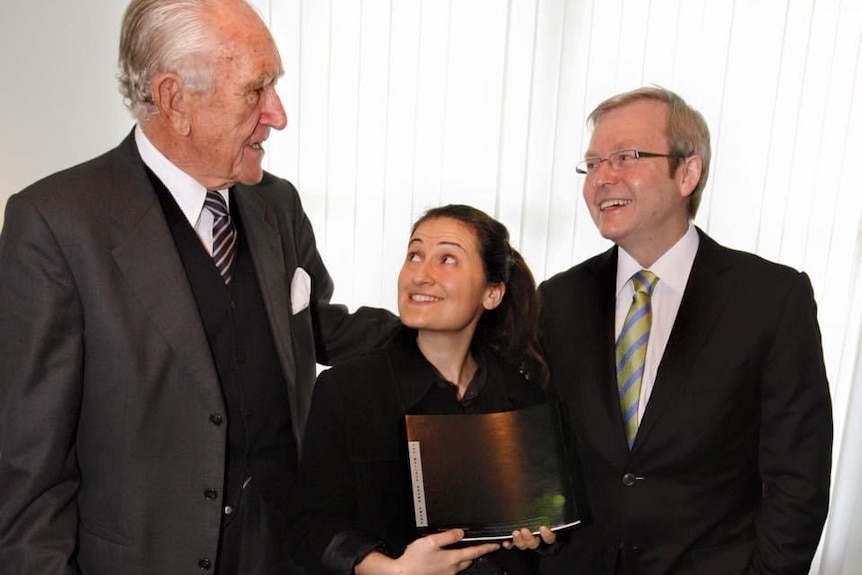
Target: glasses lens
(623, 158)
(589, 165)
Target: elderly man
(162, 310)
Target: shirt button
(216, 419)
(228, 509)
(629, 479)
(233, 304)
(210, 493)
(205, 564)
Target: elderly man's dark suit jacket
(107, 383)
(729, 472)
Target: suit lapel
(150, 264)
(700, 308)
(592, 322)
(264, 240)
(602, 318)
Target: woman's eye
(448, 260)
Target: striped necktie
(224, 235)
(631, 349)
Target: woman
(467, 345)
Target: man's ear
(172, 101)
(494, 296)
(692, 167)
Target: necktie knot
(224, 235)
(644, 282)
(215, 203)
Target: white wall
(58, 99)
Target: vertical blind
(396, 106)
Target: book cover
(490, 474)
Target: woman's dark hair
(511, 329)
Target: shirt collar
(672, 268)
(476, 385)
(414, 375)
(404, 357)
(187, 192)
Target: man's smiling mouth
(608, 204)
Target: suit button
(629, 479)
(210, 494)
(216, 419)
(205, 564)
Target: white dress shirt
(187, 192)
(672, 269)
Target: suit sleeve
(41, 359)
(795, 440)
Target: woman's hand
(426, 556)
(524, 539)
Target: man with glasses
(693, 374)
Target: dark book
(490, 474)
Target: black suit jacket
(729, 472)
(109, 397)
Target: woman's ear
(494, 295)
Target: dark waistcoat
(261, 445)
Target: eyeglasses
(619, 160)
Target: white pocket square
(300, 290)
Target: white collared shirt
(187, 192)
(673, 269)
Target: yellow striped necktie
(631, 349)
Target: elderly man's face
(230, 122)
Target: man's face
(641, 207)
(229, 122)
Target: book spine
(419, 509)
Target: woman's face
(442, 285)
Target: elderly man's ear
(172, 101)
